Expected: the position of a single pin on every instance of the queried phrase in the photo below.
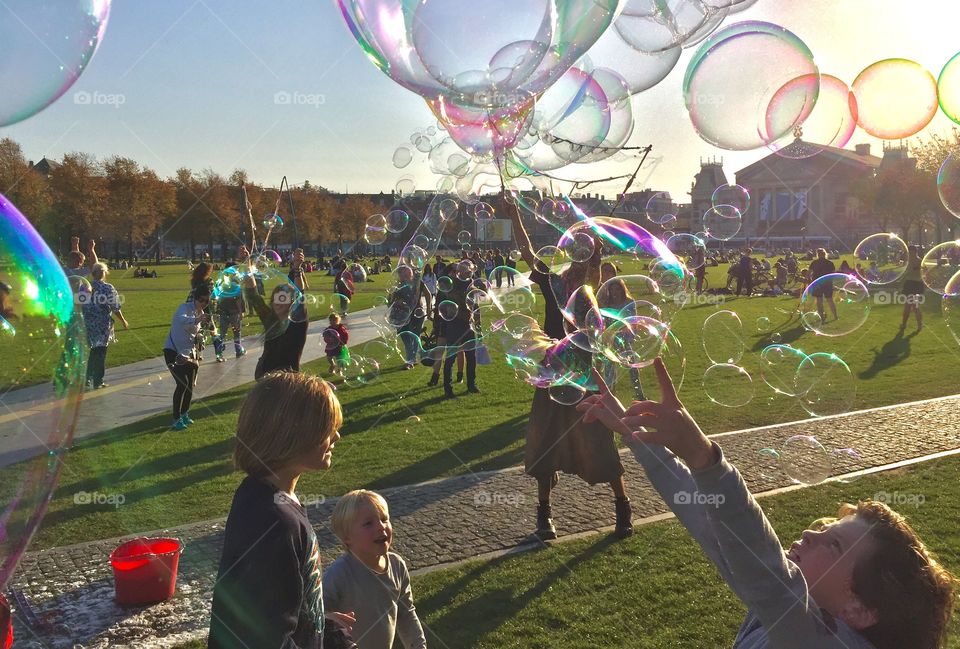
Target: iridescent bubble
(769, 463)
(46, 47)
(825, 385)
(736, 74)
(896, 98)
(722, 338)
(43, 343)
(556, 213)
(448, 310)
(734, 195)
(553, 258)
(514, 255)
(834, 305)
(633, 341)
(950, 306)
(831, 123)
(778, 368)
(397, 221)
(948, 183)
(688, 248)
(805, 460)
(939, 266)
(448, 209)
(402, 157)
(764, 325)
(776, 337)
(444, 283)
(653, 28)
(579, 246)
(567, 394)
(948, 89)
(722, 222)
(846, 460)
(883, 258)
(273, 222)
(464, 236)
(412, 424)
(379, 349)
(660, 208)
(728, 385)
(483, 211)
(406, 185)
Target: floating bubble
(444, 283)
(43, 343)
(379, 349)
(396, 221)
(375, 231)
(846, 460)
(805, 460)
(412, 424)
(778, 368)
(448, 209)
(896, 98)
(939, 266)
(660, 208)
(483, 211)
(514, 255)
(633, 341)
(776, 338)
(734, 77)
(948, 89)
(273, 222)
(659, 28)
(448, 310)
(688, 248)
(768, 460)
(883, 257)
(834, 305)
(228, 283)
(734, 195)
(46, 48)
(948, 183)
(402, 157)
(464, 236)
(578, 247)
(728, 385)
(406, 185)
(831, 123)
(764, 325)
(413, 256)
(950, 305)
(553, 258)
(722, 338)
(825, 385)
(556, 213)
(722, 222)
(567, 394)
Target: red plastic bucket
(145, 570)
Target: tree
(22, 185)
(79, 191)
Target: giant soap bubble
(948, 89)
(43, 344)
(44, 48)
(896, 98)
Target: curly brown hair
(901, 580)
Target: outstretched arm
(92, 253)
(520, 236)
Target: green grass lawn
(654, 590)
(398, 431)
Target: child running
(368, 578)
(269, 591)
(863, 580)
(335, 338)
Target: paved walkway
(140, 390)
(443, 521)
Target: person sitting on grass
(335, 338)
(369, 579)
(862, 580)
(269, 588)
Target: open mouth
(792, 552)
(381, 539)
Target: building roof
(829, 152)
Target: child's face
(370, 533)
(826, 559)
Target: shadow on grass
(893, 352)
(483, 615)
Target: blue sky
(198, 80)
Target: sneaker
(459, 377)
(221, 359)
(187, 418)
(179, 424)
(241, 352)
(624, 526)
(473, 389)
(545, 529)
(100, 385)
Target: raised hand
(605, 408)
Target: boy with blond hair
(369, 579)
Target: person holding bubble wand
(557, 438)
(862, 580)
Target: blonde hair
(284, 417)
(99, 270)
(334, 318)
(347, 508)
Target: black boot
(448, 391)
(434, 379)
(474, 389)
(545, 529)
(624, 514)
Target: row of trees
(128, 207)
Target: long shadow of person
(894, 351)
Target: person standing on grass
(512, 265)
(269, 586)
(99, 307)
(824, 290)
(862, 580)
(744, 273)
(498, 263)
(343, 287)
(335, 338)
(180, 354)
(913, 289)
(284, 320)
(558, 439)
(230, 310)
(410, 301)
(461, 333)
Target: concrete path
(449, 520)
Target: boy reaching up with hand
(863, 580)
